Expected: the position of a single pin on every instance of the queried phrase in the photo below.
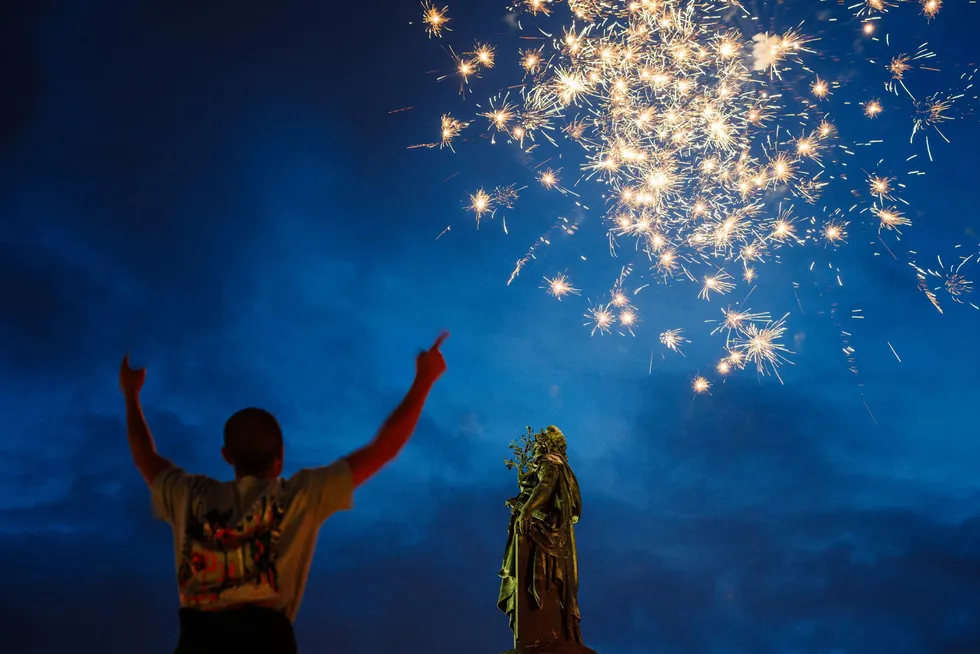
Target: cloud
(743, 583)
(727, 530)
(738, 515)
(752, 584)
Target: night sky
(219, 188)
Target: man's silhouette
(243, 548)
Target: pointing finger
(439, 341)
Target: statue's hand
(523, 525)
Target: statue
(539, 575)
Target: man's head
(253, 444)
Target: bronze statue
(539, 575)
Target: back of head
(253, 441)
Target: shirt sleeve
(328, 489)
(170, 493)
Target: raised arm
(148, 461)
(400, 425)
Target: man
(243, 548)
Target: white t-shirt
(249, 540)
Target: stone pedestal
(555, 647)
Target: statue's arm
(543, 491)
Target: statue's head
(550, 440)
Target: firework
(761, 346)
(600, 318)
(931, 7)
(481, 204)
(898, 66)
(691, 131)
(483, 55)
(450, 130)
(700, 385)
(558, 286)
(718, 283)
(872, 108)
(673, 339)
(835, 232)
(736, 321)
(820, 89)
(952, 281)
(548, 178)
(880, 186)
(435, 19)
(890, 217)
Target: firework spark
(718, 283)
(931, 7)
(703, 141)
(601, 319)
(673, 339)
(761, 346)
(700, 385)
(435, 19)
(559, 286)
(450, 130)
(872, 108)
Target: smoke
(763, 51)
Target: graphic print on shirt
(224, 562)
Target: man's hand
(141, 444)
(398, 428)
(130, 380)
(430, 365)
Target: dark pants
(246, 630)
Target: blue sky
(219, 188)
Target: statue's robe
(552, 574)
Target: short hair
(253, 439)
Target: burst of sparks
(718, 283)
(890, 217)
(835, 233)
(435, 19)
(481, 204)
(898, 66)
(880, 186)
(601, 319)
(548, 178)
(673, 339)
(484, 55)
(957, 286)
(931, 7)
(700, 385)
(531, 60)
(686, 128)
(872, 108)
(738, 320)
(820, 89)
(559, 286)
(952, 281)
(761, 346)
(451, 128)
(538, 6)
